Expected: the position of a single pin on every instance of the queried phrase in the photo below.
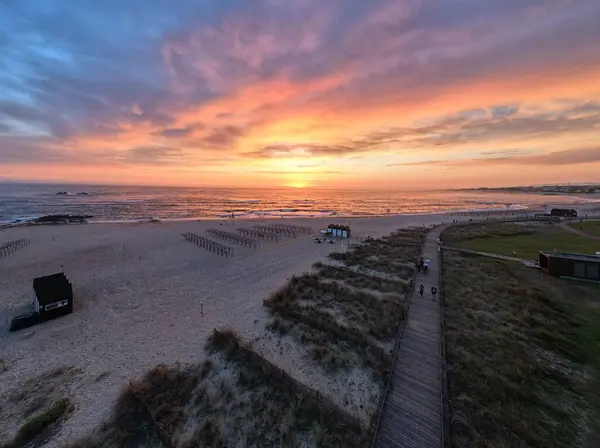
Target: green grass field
(589, 227)
(523, 354)
(527, 246)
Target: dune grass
(42, 422)
(342, 315)
(234, 398)
(523, 356)
(393, 254)
(518, 241)
(589, 227)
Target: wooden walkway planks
(412, 412)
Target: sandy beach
(144, 296)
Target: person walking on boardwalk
(421, 290)
(433, 291)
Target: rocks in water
(62, 219)
(62, 193)
(83, 193)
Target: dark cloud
(566, 157)
(44, 150)
(557, 158)
(26, 151)
(178, 132)
(35, 119)
(308, 149)
(157, 155)
(223, 137)
(476, 126)
(302, 173)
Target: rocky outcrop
(62, 219)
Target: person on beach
(433, 291)
(421, 290)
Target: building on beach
(563, 212)
(53, 296)
(576, 266)
(337, 231)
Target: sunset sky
(324, 93)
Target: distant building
(564, 212)
(337, 231)
(578, 266)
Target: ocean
(22, 202)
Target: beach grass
(36, 425)
(523, 356)
(349, 313)
(520, 241)
(589, 227)
(234, 398)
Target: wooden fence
(13, 246)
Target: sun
(297, 184)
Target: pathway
(412, 413)
(565, 225)
(485, 254)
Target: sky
(300, 93)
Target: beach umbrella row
(12, 246)
(234, 238)
(293, 228)
(276, 230)
(209, 245)
(257, 234)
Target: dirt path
(565, 225)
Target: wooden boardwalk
(412, 412)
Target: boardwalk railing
(409, 296)
(445, 399)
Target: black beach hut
(53, 296)
(563, 212)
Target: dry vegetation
(234, 398)
(523, 354)
(39, 405)
(344, 317)
(394, 254)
